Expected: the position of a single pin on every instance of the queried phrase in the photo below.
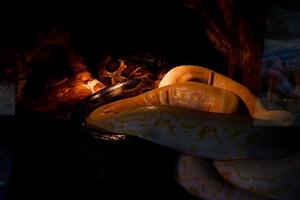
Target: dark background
(54, 159)
(106, 26)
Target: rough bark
(236, 29)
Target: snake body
(204, 134)
(256, 109)
(201, 121)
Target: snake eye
(108, 111)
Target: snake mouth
(108, 137)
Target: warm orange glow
(94, 86)
(67, 92)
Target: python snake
(197, 112)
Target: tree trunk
(236, 29)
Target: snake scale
(225, 154)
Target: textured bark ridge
(237, 32)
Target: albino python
(225, 153)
